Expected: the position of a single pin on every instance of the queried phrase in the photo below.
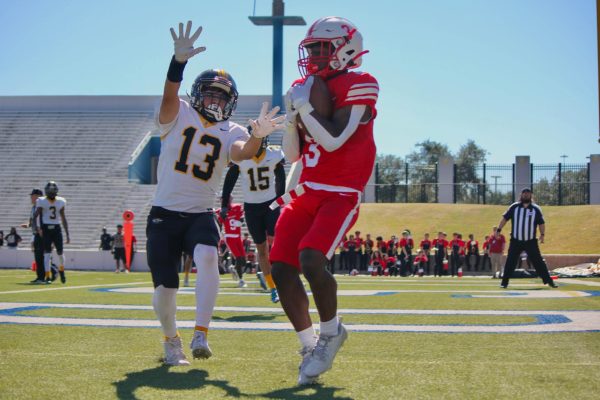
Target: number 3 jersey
(258, 175)
(51, 209)
(351, 165)
(193, 155)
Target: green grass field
(569, 229)
(91, 362)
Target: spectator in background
(351, 254)
(377, 262)
(369, 247)
(13, 239)
(392, 266)
(343, 254)
(392, 246)
(420, 262)
(1, 238)
(523, 258)
(485, 261)
(133, 248)
(381, 245)
(359, 251)
(458, 253)
(405, 247)
(441, 254)
(105, 240)
(425, 245)
(119, 250)
(37, 242)
(497, 244)
(472, 246)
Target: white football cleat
(186, 281)
(199, 345)
(242, 284)
(174, 352)
(321, 358)
(304, 379)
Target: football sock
(207, 282)
(270, 282)
(307, 337)
(202, 329)
(165, 307)
(61, 262)
(47, 265)
(329, 328)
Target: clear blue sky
(517, 76)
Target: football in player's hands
(320, 100)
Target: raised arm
(263, 126)
(184, 50)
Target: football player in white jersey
(197, 142)
(263, 180)
(49, 208)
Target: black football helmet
(51, 189)
(219, 85)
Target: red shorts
(317, 220)
(235, 246)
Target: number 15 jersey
(193, 155)
(258, 175)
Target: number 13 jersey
(193, 155)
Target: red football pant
(235, 246)
(317, 220)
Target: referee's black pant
(38, 254)
(533, 251)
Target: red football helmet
(331, 44)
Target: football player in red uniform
(232, 225)
(337, 156)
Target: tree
(469, 186)
(390, 172)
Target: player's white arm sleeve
(293, 176)
(323, 137)
(291, 143)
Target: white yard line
(46, 288)
(559, 321)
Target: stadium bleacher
(84, 143)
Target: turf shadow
(246, 318)
(317, 391)
(162, 378)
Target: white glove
(184, 44)
(266, 124)
(297, 98)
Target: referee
(526, 217)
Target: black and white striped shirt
(524, 220)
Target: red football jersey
(440, 243)
(233, 223)
(425, 244)
(351, 165)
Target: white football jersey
(51, 209)
(258, 175)
(193, 155)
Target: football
(320, 100)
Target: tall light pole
(278, 20)
(496, 177)
(564, 157)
